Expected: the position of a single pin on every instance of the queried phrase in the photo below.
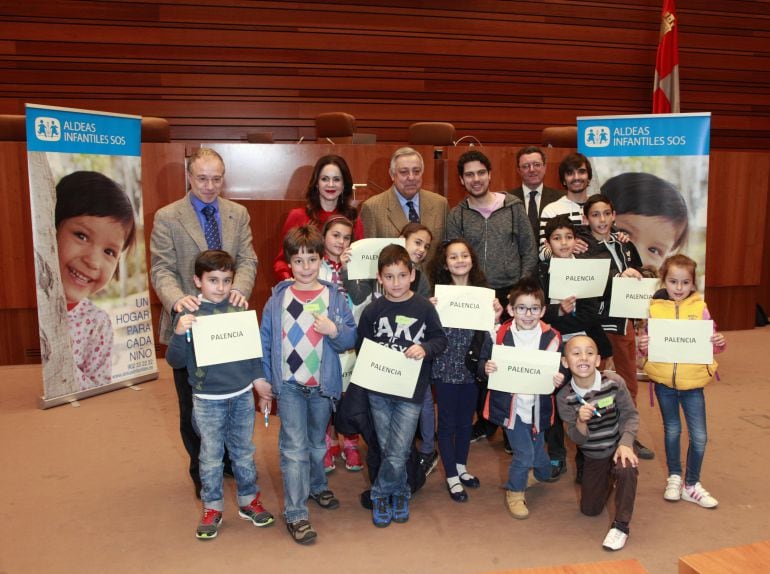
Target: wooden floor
(103, 488)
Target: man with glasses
(530, 163)
(199, 221)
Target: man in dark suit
(386, 214)
(180, 232)
(530, 163)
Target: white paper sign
(676, 341)
(579, 277)
(382, 369)
(631, 297)
(347, 362)
(465, 307)
(226, 337)
(364, 254)
(528, 371)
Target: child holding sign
(408, 323)
(223, 403)
(569, 316)
(604, 243)
(455, 263)
(525, 417)
(305, 324)
(680, 384)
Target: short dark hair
(559, 222)
(213, 260)
(528, 150)
(572, 162)
(472, 155)
(393, 254)
(594, 199)
(93, 193)
(647, 194)
(305, 237)
(526, 286)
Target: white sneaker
(615, 540)
(699, 495)
(673, 490)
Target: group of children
(310, 319)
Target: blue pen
(267, 415)
(585, 402)
(187, 334)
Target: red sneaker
(208, 527)
(352, 457)
(255, 512)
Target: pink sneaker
(352, 457)
(331, 452)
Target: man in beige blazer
(385, 214)
(179, 234)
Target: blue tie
(413, 217)
(211, 229)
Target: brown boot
(516, 504)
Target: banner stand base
(73, 398)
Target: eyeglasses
(523, 309)
(215, 180)
(531, 165)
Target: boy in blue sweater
(223, 402)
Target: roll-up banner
(88, 233)
(654, 168)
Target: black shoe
(579, 476)
(642, 451)
(478, 433)
(428, 462)
(366, 499)
(469, 480)
(557, 468)
(457, 493)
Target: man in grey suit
(530, 163)
(386, 214)
(199, 221)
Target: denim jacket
(270, 332)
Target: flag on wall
(665, 95)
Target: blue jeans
(302, 444)
(456, 404)
(226, 422)
(694, 408)
(528, 452)
(395, 421)
(427, 424)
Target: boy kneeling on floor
(602, 421)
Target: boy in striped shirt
(602, 421)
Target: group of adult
(503, 228)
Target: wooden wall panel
(498, 70)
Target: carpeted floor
(103, 488)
